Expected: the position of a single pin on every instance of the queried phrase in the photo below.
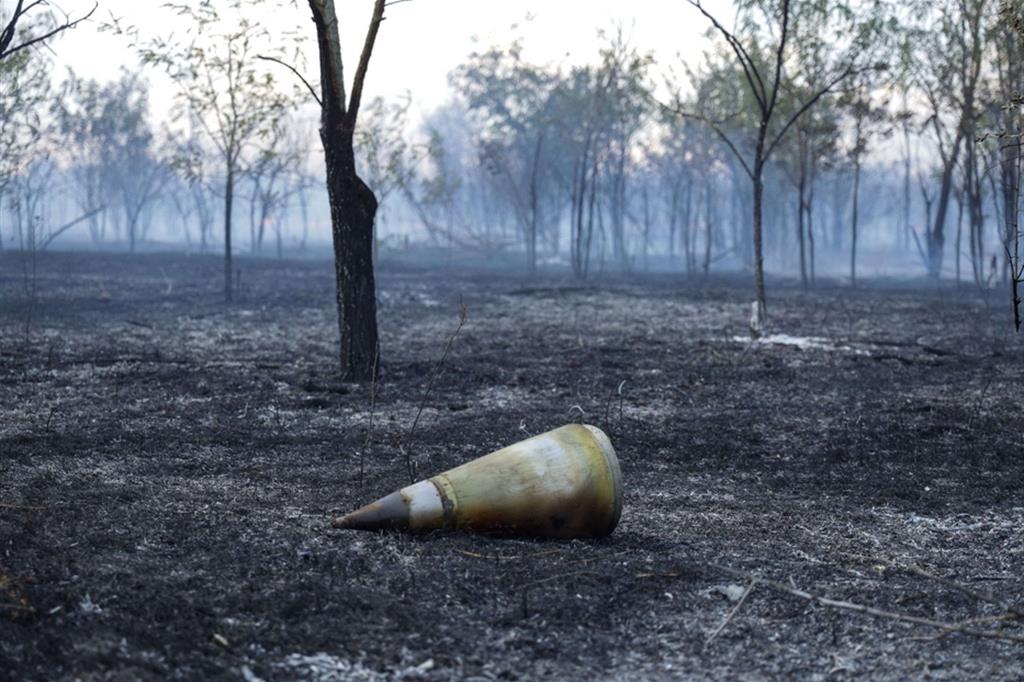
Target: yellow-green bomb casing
(564, 483)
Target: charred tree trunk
(353, 205)
(353, 209)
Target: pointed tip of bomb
(346, 521)
(390, 512)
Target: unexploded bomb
(561, 484)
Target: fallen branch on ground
(1016, 611)
(732, 612)
(946, 628)
(511, 557)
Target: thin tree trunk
(936, 238)
(959, 230)
(762, 304)
(853, 224)
(673, 223)
(810, 238)
(906, 177)
(687, 228)
(647, 225)
(709, 227)
(592, 206)
(229, 195)
(800, 205)
(977, 227)
(252, 221)
(531, 238)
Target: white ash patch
(730, 591)
(501, 397)
(323, 667)
(88, 606)
(970, 522)
(801, 343)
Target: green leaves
(232, 96)
(25, 89)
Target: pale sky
(421, 40)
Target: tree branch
(297, 74)
(332, 74)
(849, 71)
(718, 130)
(364, 62)
(749, 68)
(779, 54)
(8, 33)
(64, 228)
(944, 627)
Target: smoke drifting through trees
(886, 134)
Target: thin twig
(621, 385)
(426, 394)
(297, 74)
(732, 612)
(492, 557)
(965, 589)
(67, 226)
(8, 33)
(868, 610)
(959, 627)
(373, 408)
(660, 574)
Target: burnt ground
(169, 465)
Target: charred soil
(169, 466)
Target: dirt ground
(169, 466)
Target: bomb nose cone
(388, 513)
(415, 507)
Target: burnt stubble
(169, 466)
